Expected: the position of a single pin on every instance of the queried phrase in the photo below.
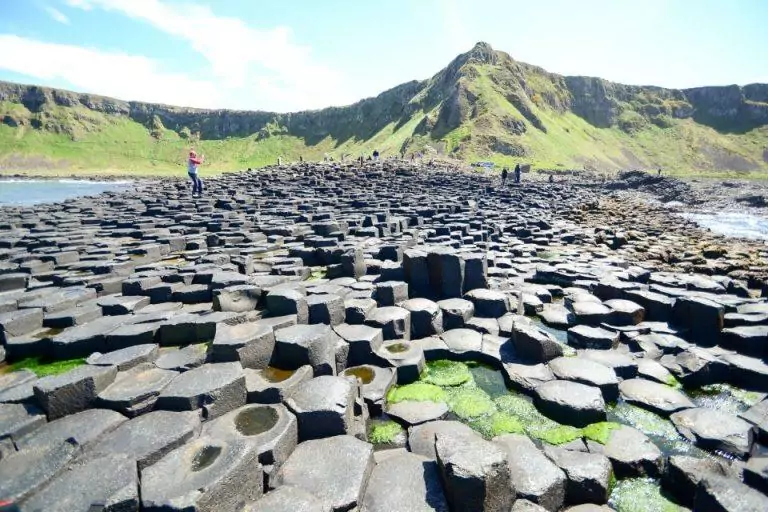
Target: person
(192, 164)
(504, 174)
(279, 161)
(517, 173)
(301, 159)
(376, 155)
(551, 178)
(659, 171)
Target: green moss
(384, 432)
(446, 373)
(645, 421)
(43, 368)
(559, 435)
(497, 424)
(470, 403)
(534, 423)
(600, 432)
(641, 495)
(416, 392)
(673, 382)
(318, 273)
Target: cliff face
(486, 95)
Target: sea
(20, 192)
(732, 224)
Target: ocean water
(29, 192)
(734, 224)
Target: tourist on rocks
(517, 173)
(659, 171)
(551, 178)
(376, 155)
(504, 174)
(192, 164)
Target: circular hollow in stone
(364, 373)
(273, 374)
(397, 348)
(204, 457)
(255, 420)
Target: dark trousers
(197, 184)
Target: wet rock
(713, 429)
(215, 388)
(570, 402)
(534, 476)
(149, 437)
(584, 336)
(632, 453)
(682, 475)
(474, 472)
(73, 391)
(588, 474)
(404, 482)
(205, 474)
(324, 406)
(336, 470)
(653, 396)
(273, 385)
(249, 343)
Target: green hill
(483, 106)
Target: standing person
(659, 171)
(517, 173)
(376, 155)
(192, 163)
(504, 174)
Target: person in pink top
(192, 163)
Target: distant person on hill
(504, 174)
(659, 171)
(517, 173)
(192, 164)
(376, 155)
(551, 178)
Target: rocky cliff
(481, 105)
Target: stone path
(241, 348)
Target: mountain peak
(482, 52)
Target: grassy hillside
(482, 106)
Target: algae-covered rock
(385, 432)
(497, 424)
(470, 403)
(559, 435)
(641, 495)
(601, 431)
(418, 392)
(446, 373)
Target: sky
(292, 55)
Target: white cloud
(120, 75)
(57, 15)
(240, 56)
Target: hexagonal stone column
(73, 391)
(426, 317)
(215, 388)
(324, 406)
(250, 343)
(394, 322)
(299, 345)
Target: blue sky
(302, 54)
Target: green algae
(384, 432)
(468, 403)
(416, 392)
(725, 397)
(446, 373)
(672, 382)
(641, 495)
(488, 379)
(44, 368)
(600, 432)
(559, 435)
(534, 423)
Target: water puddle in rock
(255, 420)
(205, 457)
(272, 374)
(364, 373)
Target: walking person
(517, 173)
(192, 164)
(504, 174)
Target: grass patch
(416, 392)
(44, 368)
(384, 432)
(446, 373)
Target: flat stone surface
(288, 499)
(653, 396)
(335, 470)
(183, 359)
(73, 391)
(570, 402)
(24, 472)
(727, 494)
(585, 371)
(632, 453)
(715, 430)
(323, 406)
(135, 391)
(421, 438)
(415, 413)
(585, 336)
(588, 474)
(83, 427)
(126, 358)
